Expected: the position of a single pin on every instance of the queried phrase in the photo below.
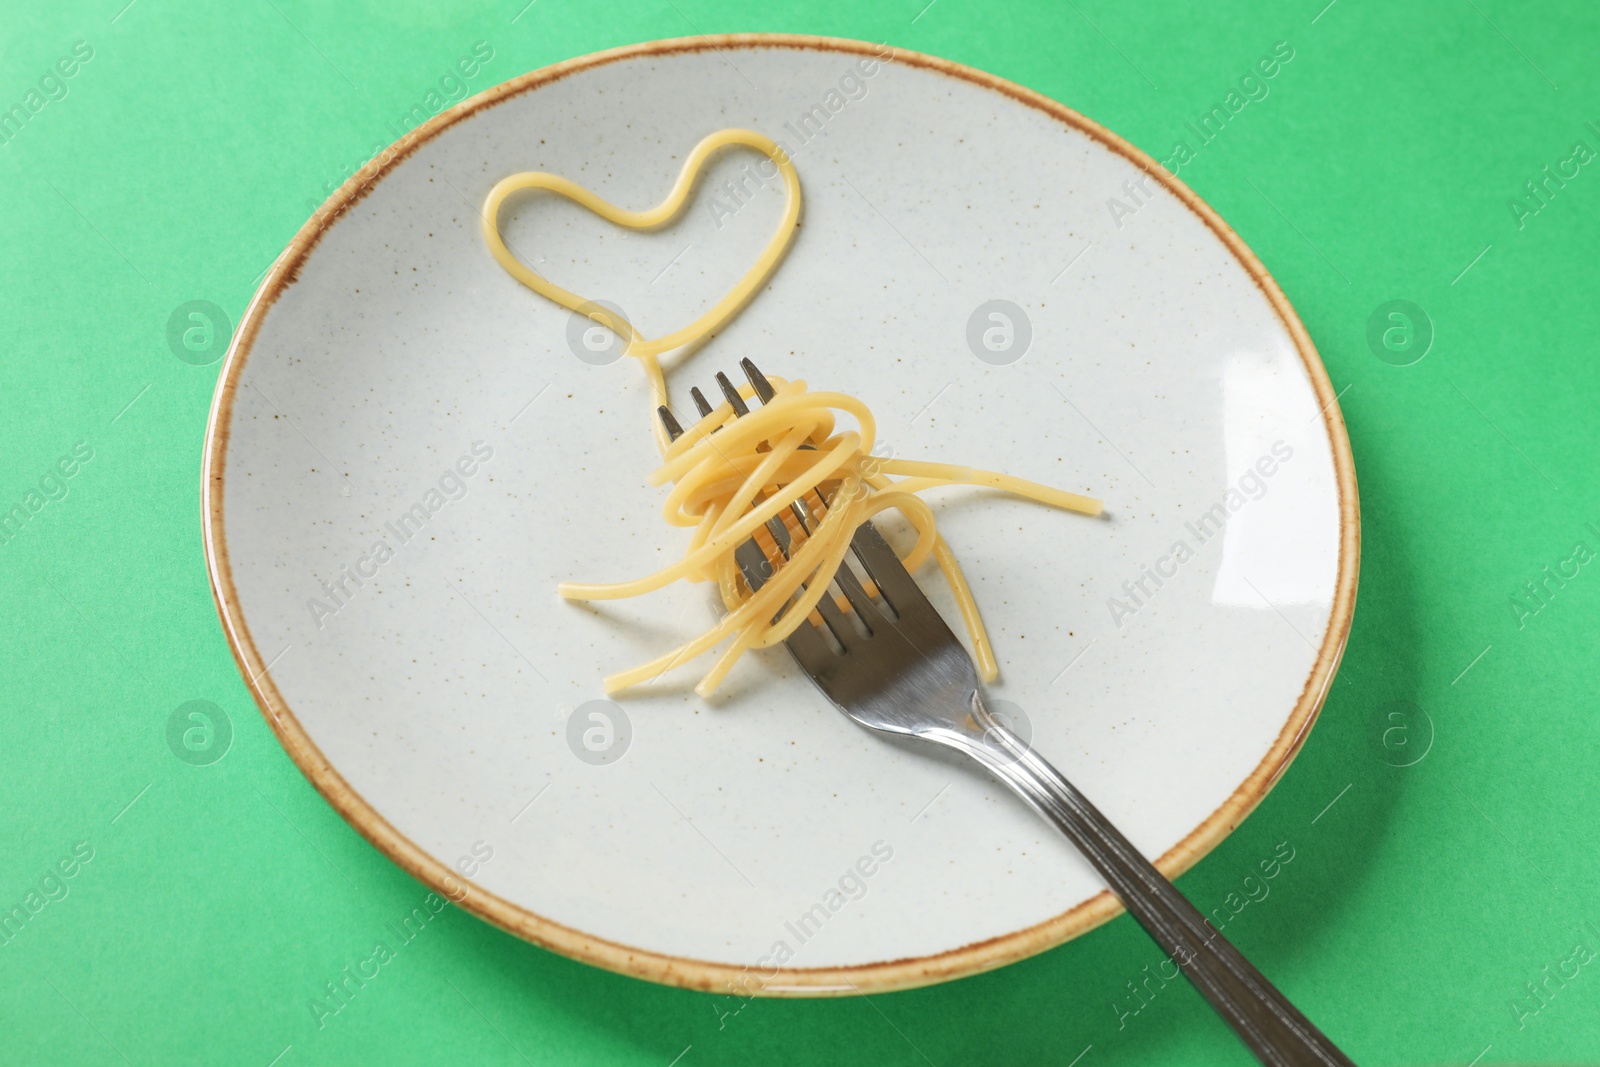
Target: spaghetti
(732, 474)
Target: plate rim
(709, 975)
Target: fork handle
(1272, 1027)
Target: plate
(408, 451)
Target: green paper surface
(1383, 164)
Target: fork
(902, 671)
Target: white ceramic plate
(758, 838)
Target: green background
(1382, 165)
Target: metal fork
(902, 671)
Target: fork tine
(810, 648)
(843, 631)
(670, 421)
(780, 534)
(871, 617)
(735, 401)
(806, 643)
(859, 599)
(888, 573)
(758, 381)
(753, 564)
(741, 409)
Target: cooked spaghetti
(733, 474)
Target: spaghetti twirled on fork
(738, 469)
(734, 475)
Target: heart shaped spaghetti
(647, 349)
